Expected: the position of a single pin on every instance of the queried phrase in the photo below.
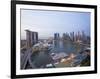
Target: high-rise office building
(72, 36)
(64, 36)
(56, 36)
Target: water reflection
(42, 58)
(66, 46)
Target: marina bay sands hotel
(31, 38)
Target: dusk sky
(46, 23)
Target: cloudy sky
(46, 23)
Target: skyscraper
(56, 36)
(31, 38)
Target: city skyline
(46, 23)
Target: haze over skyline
(46, 23)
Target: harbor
(57, 52)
